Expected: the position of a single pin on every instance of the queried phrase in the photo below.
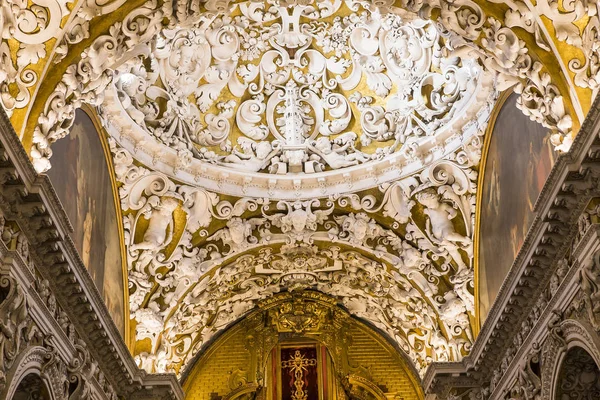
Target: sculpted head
(323, 144)
(428, 198)
(263, 149)
(298, 219)
(357, 224)
(168, 205)
(187, 60)
(238, 230)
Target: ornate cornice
(29, 200)
(572, 183)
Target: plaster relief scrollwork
(302, 84)
(528, 384)
(16, 327)
(189, 280)
(32, 25)
(86, 81)
(268, 89)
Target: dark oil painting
(80, 175)
(519, 160)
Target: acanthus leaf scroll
(290, 76)
(183, 293)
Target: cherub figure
(334, 152)
(253, 157)
(440, 228)
(184, 62)
(160, 227)
(454, 312)
(440, 219)
(412, 260)
(158, 234)
(238, 233)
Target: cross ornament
(298, 363)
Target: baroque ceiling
(270, 146)
(297, 101)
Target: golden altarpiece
(301, 346)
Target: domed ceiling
(270, 146)
(299, 101)
(320, 145)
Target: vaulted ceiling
(269, 146)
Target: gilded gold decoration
(297, 364)
(273, 146)
(299, 317)
(359, 359)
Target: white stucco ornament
(299, 100)
(410, 276)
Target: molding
(572, 183)
(29, 199)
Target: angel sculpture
(160, 227)
(335, 153)
(238, 233)
(590, 284)
(454, 313)
(440, 228)
(253, 157)
(159, 232)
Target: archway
(32, 387)
(343, 357)
(579, 376)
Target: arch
(31, 387)
(292, 320)
(230, 289)
(34, 363)
(578, 376)
(567, 335)
(246, 236)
